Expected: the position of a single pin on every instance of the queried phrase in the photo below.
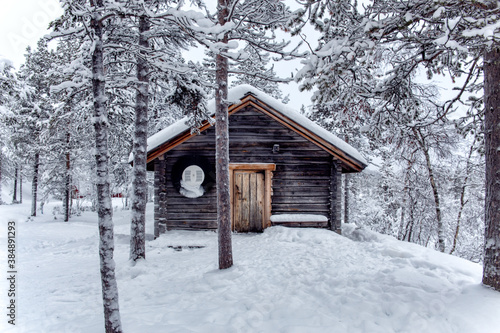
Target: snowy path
(284, 280)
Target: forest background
(116, 72)
(426, 180)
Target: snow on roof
(234, 97)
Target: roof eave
(350, 164)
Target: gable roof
(244, 95)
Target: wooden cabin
(285, 169)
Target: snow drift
(284, 280)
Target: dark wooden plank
(237, 157)
(208, 224)
(266, 149)
(290, 145)
(192, 204)
(303, 208)
(191, 216)
(301, 192)
(188, 228)
(277, 183)
(263, 139)
(324, 199)
(190, 211)
(203, 148)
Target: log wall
(301, 183)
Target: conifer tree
(36, 104)
(255, 72)
(458, 38)
(145, 36)
(252, 22)
(8, 92)
(87, 22)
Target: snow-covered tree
(252, 22)
(33, 112)
(87, 22)
(144, 40)
(459, 39)
(256, 72)
(8, 93)
(69, 130)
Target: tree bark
(222, 149)
(14, 195)
(34, 184)
(67, 182)
(335, 196)
(1, 159)
(346, 198)
(491, 268)
(112, 320)
(20, 185)
(139, 182)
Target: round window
(193, 176)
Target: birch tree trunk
(222, 149)
(139, 182)
(34, 184)
(112, 320)
(491, 268)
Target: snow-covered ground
(284, 280)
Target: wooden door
(248, 201)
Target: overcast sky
(24, 22)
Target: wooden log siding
(190, 213)
(335, 196)
(300, 183)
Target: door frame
(268, 169)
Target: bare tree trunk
(425, 150)
(67, 182)
(222, 149)
(20, 184)
(463, 202)
(491, 268)
(346, 198)
(112, 320)
(1, 159)
(14, 195)
(139, 182)
(401, 234)
(34, 184)
(410, 225)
